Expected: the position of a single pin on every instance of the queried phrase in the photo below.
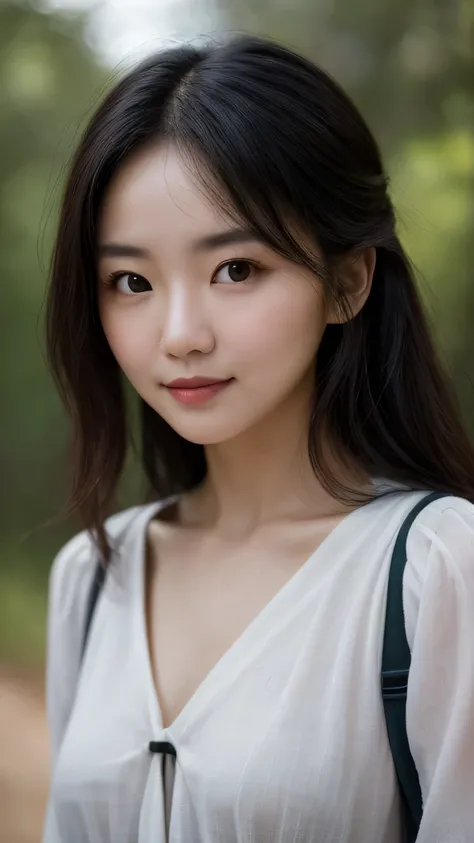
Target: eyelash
(253, 264)
(115, 277)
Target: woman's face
(195, 296)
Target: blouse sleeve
(69, 582)
(439, 616)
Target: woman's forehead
(157, 185)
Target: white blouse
(285, 740)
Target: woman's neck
(265, 476)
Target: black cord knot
(162, 746)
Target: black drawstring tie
(162, 746)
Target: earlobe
(356, 272)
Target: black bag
(396, 658)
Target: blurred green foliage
(408, 65)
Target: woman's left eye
(236, 271)
(128, 283)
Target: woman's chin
(207, 431)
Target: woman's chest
(200, 599)
(285, 732)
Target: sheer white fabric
(284, 741)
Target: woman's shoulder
(73, 567)
(70, 580)
(440, 558)
(443, 529)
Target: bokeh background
(409, 65)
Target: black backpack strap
(95, 589)
(396, 658)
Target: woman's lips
(197, 394)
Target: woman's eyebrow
(200, 244)
(121, 250)
(224, 238)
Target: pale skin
(179, 311)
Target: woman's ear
(355, 272)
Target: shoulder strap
(95, 589)
(396, 658)
(94, 592)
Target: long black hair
(277, 143)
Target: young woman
(227, 245)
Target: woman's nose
(187, 326)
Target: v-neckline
(238, 646)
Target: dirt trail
(23, 758)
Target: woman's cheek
(129, 338)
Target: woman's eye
(235, 271)
(129, 283)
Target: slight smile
(196, 390)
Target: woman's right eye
(129, 283)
